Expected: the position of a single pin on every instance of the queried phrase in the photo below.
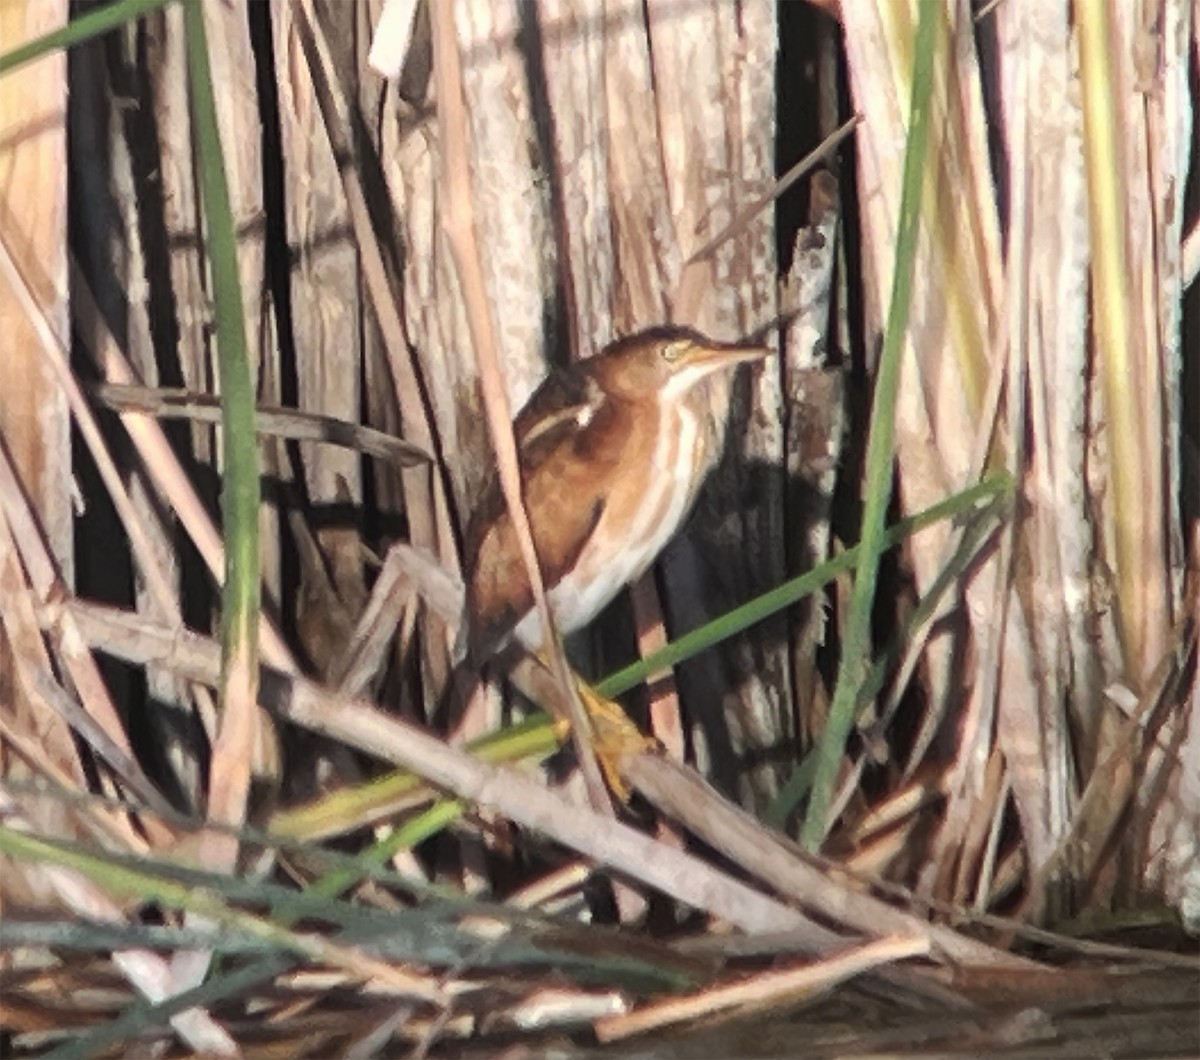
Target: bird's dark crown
(638, 366)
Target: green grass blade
(95, 22)
(983, 523)
(856, 650)
(240, 483)
(533, 738)
(141, 1019)
(790, 592)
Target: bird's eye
(672, 351)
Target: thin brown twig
(427, 498)
(746, 216)
(765, 989)
(459, 224)
(430, 527)
(34, 579)
(772, 857)
(58, 358)
(674, 789)
(521, 799)
(160, 461)
(297, 424)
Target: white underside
(579, 597)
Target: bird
(612, 453)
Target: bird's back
(571, 443)
(612, 452)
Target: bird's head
(667, 363)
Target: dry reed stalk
(942, 384)
(113, 259)
(762, 992)
(1035, 629)
(162, 466)
(1086, 529)
(607, 144)
(34, 423)
(153, 976)
(324, 318)
(678, 792)
(458, 219)
(606, 188)
(33, 414)
(815, 415)
(87, 707)
(598, 157)
(428, 509)
(148, 275)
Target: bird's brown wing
(565, 397)
(561, 433)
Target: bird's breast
(646, 504)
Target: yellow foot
(613, 736)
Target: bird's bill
(698, 361)
(714, 357)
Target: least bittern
(613, 451)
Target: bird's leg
(613, 735)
